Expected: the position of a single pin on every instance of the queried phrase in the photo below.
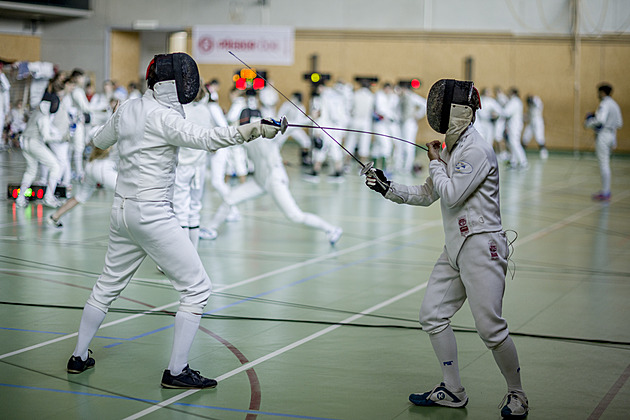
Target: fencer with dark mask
(148, 132)
(464, 176)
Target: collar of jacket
(166, 94)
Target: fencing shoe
(54, 223)
(516, 405)
(440, 395)
(208, 234)
(20, 202)
(76, 365)
(51, 201)
(334, 235)
(188, 379)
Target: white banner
(254, 45)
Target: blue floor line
(209, 407)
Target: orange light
(235, 78)
(248, 74)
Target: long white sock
(507, 359)
(186, 326)
(445, 348)
(91, 321)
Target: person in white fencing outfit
(271, 177)
(605, 122)
(190, 174)
(465, 178)
(413, 108)
(513, 113)
(361, 114)
(40, 130)
(101, 169)
(486, 116)
(148, 132)
(387, 110)
(293, 114)
(535, 127)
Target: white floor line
(278, 352)
(232, 286)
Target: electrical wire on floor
(590, 341)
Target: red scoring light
(258, 83)
(415, 83)
(241, 84)
(15, 192)
(40, 193)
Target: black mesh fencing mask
(443, 94)
(181, 68)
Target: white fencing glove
(256, 129)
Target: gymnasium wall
(535, 65)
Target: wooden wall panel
(20, 47)
(124, 57)
(541, 66)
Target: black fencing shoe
(76, 365)
(188, 379)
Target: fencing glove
(251, 131)
(377, 181)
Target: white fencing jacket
(468, 189)
(149, 131)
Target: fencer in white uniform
(535, 127)
(330, 109)
(190, 174)
(465, 178)
(293, 114)
(486, 116)
(80, 112)
(149, 132)
(361, 114)
(100, 169)
(513, 113)
(271, 177)
(40, 130)
(387, 109)
(413, 108)
(605, 122)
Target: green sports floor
(297, 329)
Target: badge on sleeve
(463, 167)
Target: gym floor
(298, 329)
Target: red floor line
(610, 395)
(254, 383)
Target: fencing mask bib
(179, 67)
(451, 106)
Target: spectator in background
(605, 122)
(535, 127)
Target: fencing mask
(451, 107)
(52, 99)
(179, 67)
